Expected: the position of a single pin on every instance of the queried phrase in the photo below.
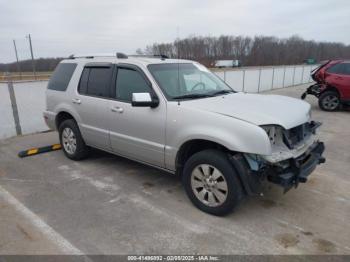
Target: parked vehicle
(178, 116)
(227, 63)
(332, 86)
(310, 61)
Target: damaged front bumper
(295, 154)
(314, 90)
(290, 174)
(298, 169)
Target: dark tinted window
(60, 79)
(84, 81)
(336, 69)
(130, 81)
(346, 68)
(95, 81)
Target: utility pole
(31, 52)
(178, 40)
(18, 65)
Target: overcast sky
(61, 28)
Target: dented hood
(257, 109)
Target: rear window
(61, 76)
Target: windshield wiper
(190, 96)
(222, 92)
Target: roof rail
(117, 55)
(163, 57)
(121, 55)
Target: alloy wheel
(69, 141)
(330, 102)
(209, 185)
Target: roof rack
(163, 57)
(117, 55)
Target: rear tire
(329, 101)
(211, 182)
(71, 140)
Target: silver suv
(178, 116)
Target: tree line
(41, 65)
(251, 51)
(256, 51)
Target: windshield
(187, 81)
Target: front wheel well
(331, 88)
(191, 147)
(62, 116)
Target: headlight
(274, 133)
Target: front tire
(211, 182)
(71, 140)
(329, 101)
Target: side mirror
(143, 100)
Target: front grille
(296, 135)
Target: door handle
(117, 109)
(76, 101)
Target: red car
(332, 86)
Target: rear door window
(346, 68)
(84, 81)
(95, 81)
(336, 69)
(62, 75)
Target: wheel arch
(192, 146)
(250, 184)
(333, 89)
(62, 116)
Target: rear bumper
(50, 119)
(299, 168)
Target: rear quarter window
(61, 76)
